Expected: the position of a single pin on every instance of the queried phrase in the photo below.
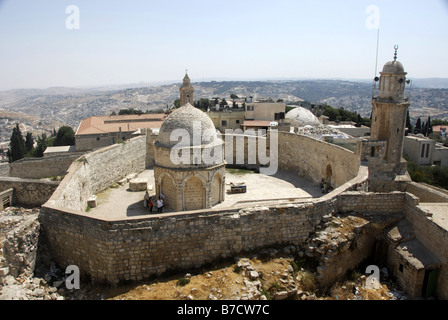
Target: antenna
(377, 45)
(375, 80)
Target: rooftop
(109, 124)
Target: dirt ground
(228, 282)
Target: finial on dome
(395, 54)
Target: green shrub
(183, 281)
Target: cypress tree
(29, 142)
(17, 147)
(418, 126)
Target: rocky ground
(280, 273)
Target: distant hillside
(70, 105)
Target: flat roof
(109, 124)
(257, 123)
(60, 149)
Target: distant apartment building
(227, 118)
(102, 131)
(254, 115)
(441, 131)
(419, 149)
(440, 155)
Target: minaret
(389, 116)
(186, 91)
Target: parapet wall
(138, 248)
(29, 192)
(37, 168)
(97, 170)
(427, 193)
(316, 159)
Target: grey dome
(301, 117)
(393, 67)
(191, 120)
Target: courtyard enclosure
(137, 247)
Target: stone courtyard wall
(37, 168)
(29, 192)
(97, 170)
(134, 249)
(314, 159)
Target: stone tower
(389, 110)
(186, 92)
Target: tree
(42, 142)
(418, 126)
(429, 126)
(65, 137)
(223, 103)
(424, 128)
(17, 148)
(408, 122)
(29, 142)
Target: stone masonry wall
(37, 168)
(29, 192)
(310, 158)
(371, 202)
(426, 193)
(433, 237)
(138, 248)
(97, 170)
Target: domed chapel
(189, 166)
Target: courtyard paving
(118, 202)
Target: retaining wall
(29, 192)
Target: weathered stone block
(138, 184)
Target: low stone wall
(371, 202)
(138, 248)
(37, 168)
(4, 169)
(29, 192)
(427, 193)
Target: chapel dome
(393, 67)
(301, 117)
(194, 121)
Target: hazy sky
(47, 43)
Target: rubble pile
(19, 233)
(320, 131)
